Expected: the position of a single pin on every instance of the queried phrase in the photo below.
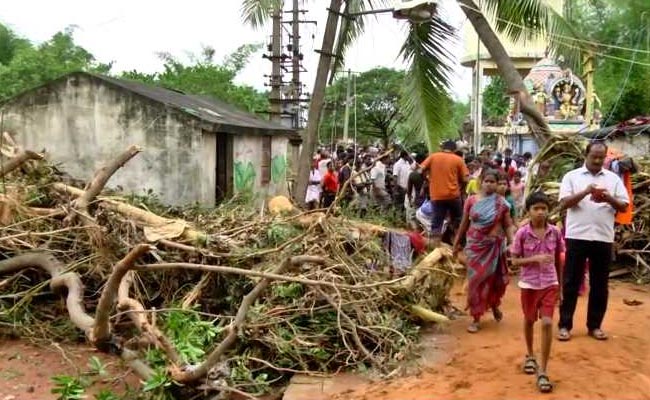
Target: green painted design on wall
(279, 169)
(244, 176)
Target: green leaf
(529, 19)
(257, 12)
(426, 101)
(351, 29)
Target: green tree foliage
(380, 118)
(621, 85)
(10, 43)
(23, 65)
(203, 76)
(495, 102)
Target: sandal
(544, 384)
(598, 334)
(530, 365)
(473, 327)
(563, 335)
(498, 315)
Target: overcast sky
(129, 33)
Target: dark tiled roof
(205, 108)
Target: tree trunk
(310, 137)
(538, 126)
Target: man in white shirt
(401, 171)
(591, 195)
(378, 178)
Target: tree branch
(139, 216)
(18, 160)
(102, 328)
(60, 279)
(74, 300)
(237, 325)
(97, 184)
(270, 275)
(138, 316)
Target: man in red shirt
(330, 185)
(448, 176)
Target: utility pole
(588, 68)
(295, 64)
(275, 97)
(478, 103)
(346, 121)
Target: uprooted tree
(284, 293)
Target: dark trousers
(328, 199)
(399, 195)
(600, 256)
(443, 208)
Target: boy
(537, 248)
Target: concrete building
(195, 148)
(524, 53)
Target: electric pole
(346, 121)
(296, 57)
(588, 68)
(275, 97)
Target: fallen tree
(202, 299)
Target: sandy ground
(26, 370)
(487, 365)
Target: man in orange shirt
(448, 176)
(330, 185)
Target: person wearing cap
(448, 176)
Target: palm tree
(429, 62)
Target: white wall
(247, 158)
(633, 146)
(83, 124)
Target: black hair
(536, 198)
(449, 145)
(595, 143)
(404, 154)
(528, 155)
(492, 172)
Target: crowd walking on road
(478, 204)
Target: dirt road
(487, 365)
(26, 370)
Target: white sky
(129, 33)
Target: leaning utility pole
(310, 137)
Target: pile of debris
(230, 299)
(564, 153)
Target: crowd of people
(478, 203)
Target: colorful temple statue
(558, 93)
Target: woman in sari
(487, 225)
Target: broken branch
(18, 160)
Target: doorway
(223, 172)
